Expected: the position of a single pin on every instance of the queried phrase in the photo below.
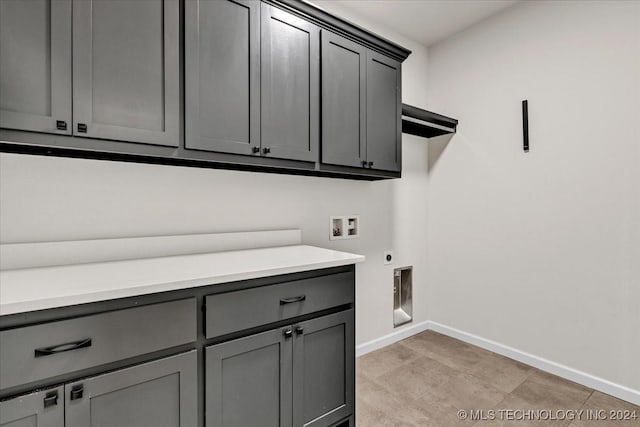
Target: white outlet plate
(388, 257)
(344, 227)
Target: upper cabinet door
(43, 408)
(35, 65)
(343, 101)
(222, 75)
(290, 86)
(384, 110)
(126, 70)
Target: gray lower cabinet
(150, 363)
(290, 86)
(222, 75)
(344, 136)
(45, 350)
(162, 393)
(323, 370)
(35, 65)
(384, 113)
(126, 70)
(43, 408)
(297, 375)
(248, 381)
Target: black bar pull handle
(299, 330)
(82, 127)
(61, 348)
(291, 300)
(77, 391)
(61, 125)
(288, 333)
(51, 399)
(525, 126)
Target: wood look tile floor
(425, 380)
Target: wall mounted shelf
(419, 122)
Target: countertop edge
(20, 307)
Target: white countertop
(42, 288)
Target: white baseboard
(395, 336)
(563, 371)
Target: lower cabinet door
(324, 370)
(162, 393)
(40, 409)
(248, 381)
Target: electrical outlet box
(344, 227)
(353, 226)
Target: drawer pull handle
(51, 399)
(288, 333)
(77, 391)
(291, 300)
(61, 348)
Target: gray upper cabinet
(270, 86)
(126, 81)
(384, 113)
(35, 65)
(361, 106)
(343, 101)
(162, 393)
(290, 86)
(323, 370)
(43, 408)
(248, 381)
(222, 75)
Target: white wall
(44, 199)
(540, 251)
(407, 203)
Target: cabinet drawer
(235, 311)
(37, 352)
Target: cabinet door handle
(255, 150)
(288, 333)
(61, 125)
(61, 348)
(266, 150)
(51, 399)
(299, 330)
(370, 164)
(364, 163)
(77, 391)
(82, 128)
(291, 300)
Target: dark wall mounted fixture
(419, 122)
(525, 125)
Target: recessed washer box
(344, 227)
